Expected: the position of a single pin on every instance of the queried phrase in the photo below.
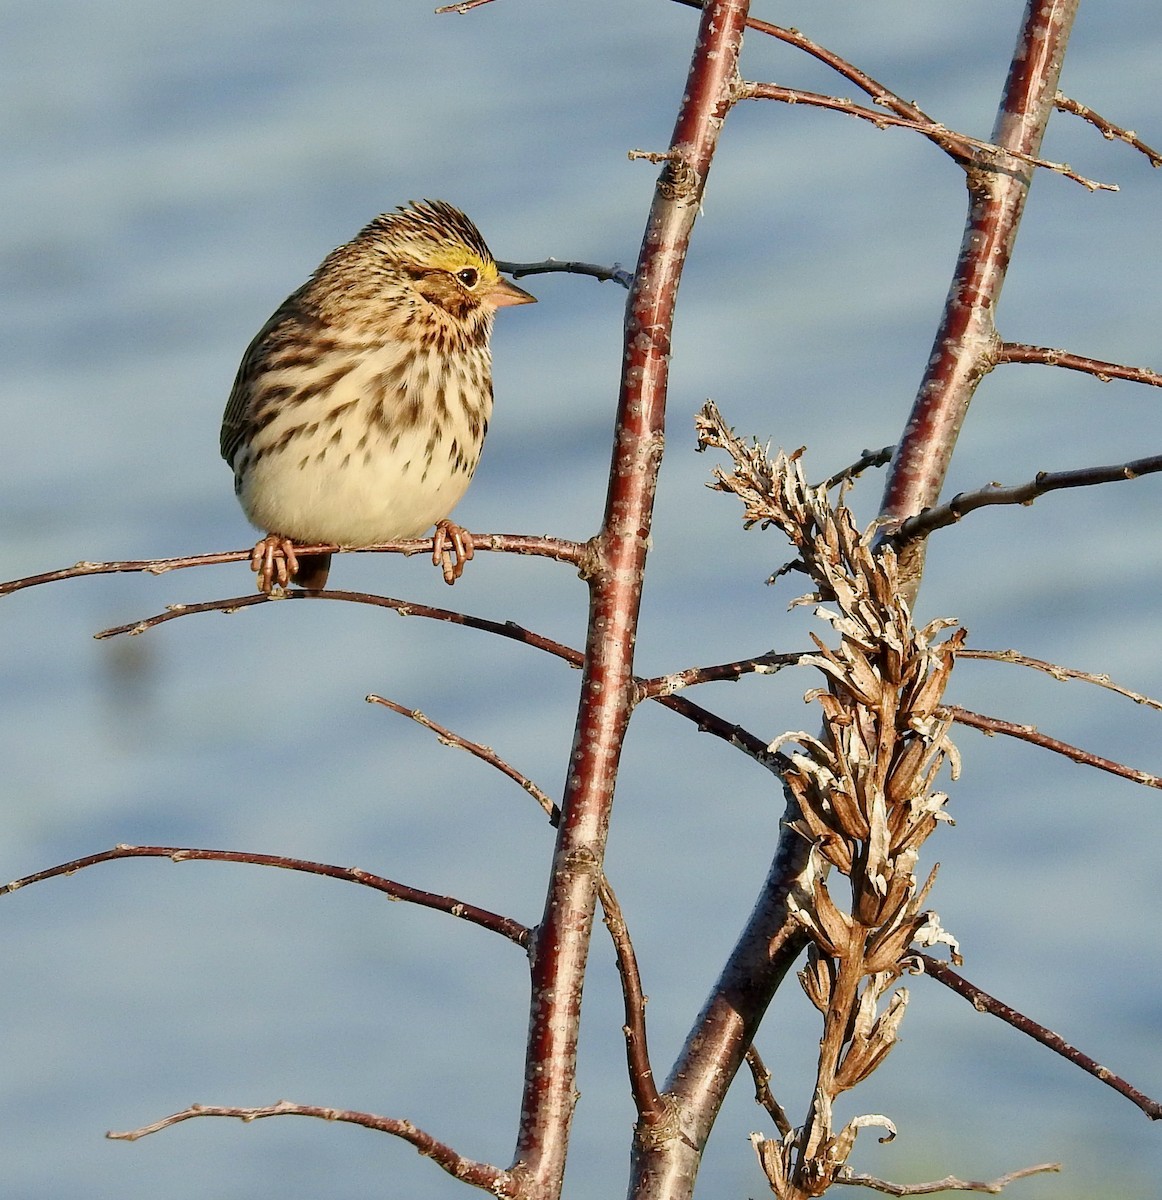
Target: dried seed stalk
(864, 787)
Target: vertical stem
(561, 943)
(966, 344)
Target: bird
(360, 408)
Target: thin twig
(486, 754)
(560, 549)
(947, 139)
(615, 274)
(948, 1184)
(652, 1110)
(963, 503)
(763, 664)
(983, 1002)
(461, 7)
(476, 1174)
(867, 458)
(1030, 734)
(763, 1094)
(706, 721)
(493, 922)
(1108, 129)
(1058, 672)
(1020, 352)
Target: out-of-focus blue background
(170, 172)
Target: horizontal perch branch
(560, 549)
(476, 1174)
(493, 922)
(963, 503)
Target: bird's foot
(275, 563)
(452, 547)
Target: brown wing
(236, 418)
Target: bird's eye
(469, 277)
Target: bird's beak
(504, 292)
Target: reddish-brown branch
(651, 1108)
(1019, 352)
(493, 922)
(477, 1174)
(962, 503)
(1027, 733)
(966, 342)
(983, 1002)
(1058, 672)
(867, 458)
(1108, 129)
(762, 664)
(562, 939)
(763, 1094)
(560, 549)
(485, 753)
(959, 145)
(948, 1184)
(706, 721)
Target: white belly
(357, 480)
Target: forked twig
(486, 754)
(983, 1002)
(947, 139)
(467, 1170)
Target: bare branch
(616, 274)
(983, 1002)
(867, 458)
(965, 343)
(562, 939)
(1019, 352)
(988, 153)
(560, 549)
(1108, 129)
(405, 608)
(493, 922)
(706, 721)
(948, 1184)
(476, 1174)
(1028, 733)
(963, 503)
(763, 1094)
(1058, 672)
(763, 664)
(485, 753)
(652, 1110)
(461, 7)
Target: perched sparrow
(360, 409)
